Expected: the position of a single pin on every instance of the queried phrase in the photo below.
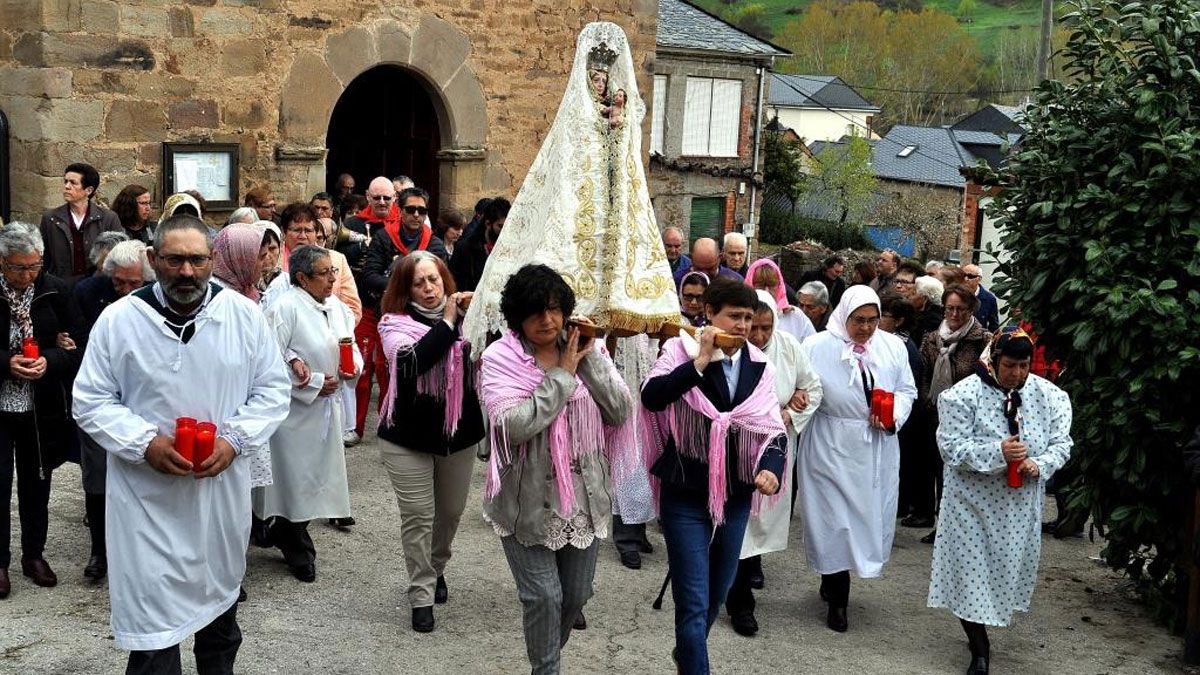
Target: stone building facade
(107, 82)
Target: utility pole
(1043, 56)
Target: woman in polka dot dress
(985, 557)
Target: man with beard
(178, 523)
(467, 263)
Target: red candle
(346, 355)
(876, 400)
(206, 438)
(1015, 479)
(185, 437)
(887, 405)
(29, 348)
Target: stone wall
(676, 180)
(107, 82)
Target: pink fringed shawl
(508, 378)
(756, 421)
(399, 334)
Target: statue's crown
(601, 57)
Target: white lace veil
(584, 210)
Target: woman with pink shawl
(765, 275)
(556, 404)
(428, 419)
(715, 435)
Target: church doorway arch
(384, 124)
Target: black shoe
(580, 622)
(917, 521)
(836, 619)
(646, 547)
(929, 538)
(441, 593)
(631, 559)
(757, 581)
(1049, 526)
(242, 594)
(96, 568)
(979, 666)
(744, 623)
(422, 619)
(306, 573)
(341, 523)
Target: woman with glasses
(133, 205)
(849, 459)
(691, 298)
(35, 391)
(948, 356)
(308, 463)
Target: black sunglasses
(416, 210)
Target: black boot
(836, 619)
(422, 619)
(979, 666)
(977, 640)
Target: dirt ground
(355, 618)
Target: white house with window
(707, 111)
(820, 107)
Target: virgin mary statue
(583, 209)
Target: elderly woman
(133, 205)
(429, 418)
(948, 356)
(243, 215)
(238, 259)
(346, 290)
(765, 275)
(718, 439)
(691, 298)
(814, 302)
(308, 464)
(925, 294)
(849, 461)
(105, 241)
(550, 394)
(798, 393)
(125, 270)
(985, 559)
(36, 428)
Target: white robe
(768, 531)
(308, 460)
(985, 558)
(260, 458)
(176, 544)
(795, 323)
(848, 472)
(633, 499)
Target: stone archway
(436, 52)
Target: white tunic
(633, 499)
(848, 472)
(308, 461)
(795, 323)
(768, 531)
(176, 545)
(985, 558)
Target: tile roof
(816, 91)
(682, 25)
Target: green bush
(1099, 214)
(779, 227)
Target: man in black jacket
(468, 261)
(68, 231)
(829, 274)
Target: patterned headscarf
(177, 200)
(235, 258)
(989, 359)
(694, 277)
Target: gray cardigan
(527, 488)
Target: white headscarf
(854, 297)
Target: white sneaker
(350, 439)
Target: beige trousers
(432, 493)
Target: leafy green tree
(751, 17)
(1101, 224)
(845, 172)
(783, 172)
(966, 10)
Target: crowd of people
(210, 378)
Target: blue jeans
(703, 564)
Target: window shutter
(659, 119)
(706, 218)
(697, 107)
(726, 118)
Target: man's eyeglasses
(380, 198)
(972, 276)
(23, 269)
(302, 230)
(688, 297)
(177, 261)
(416, 210)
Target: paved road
(355, 618)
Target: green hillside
(988, 23)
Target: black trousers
(741, 596)
(628, 537)
(927, 485)
(94, 507)
(19, 447)
(216, 649)
(294, 541)
(836, 588)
